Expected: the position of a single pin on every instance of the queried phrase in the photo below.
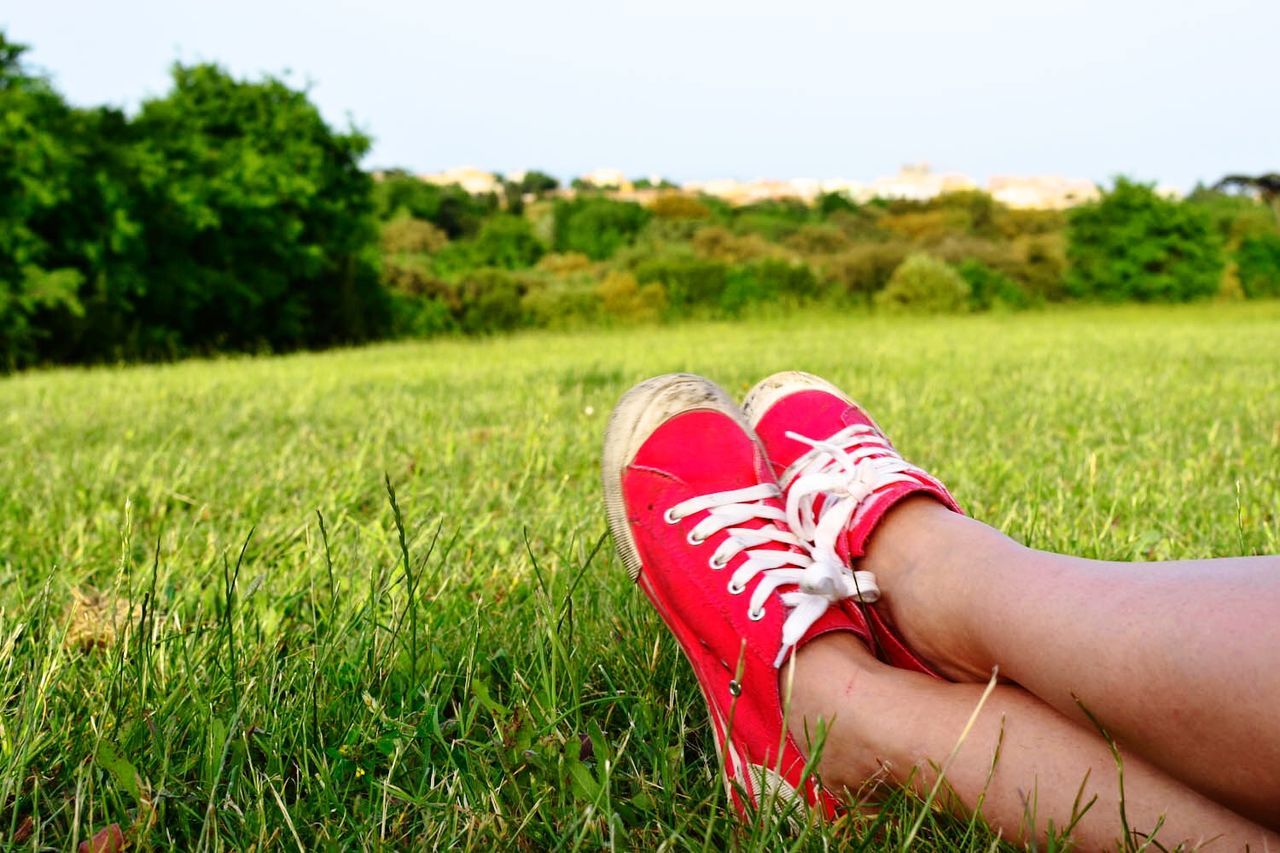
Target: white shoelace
(820, 582)
(842, 472)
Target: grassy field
(214, 635)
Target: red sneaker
(839, 475)
(697, 519)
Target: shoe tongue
(707, 450)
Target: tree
(258, 218)
(1134, 244)
(537, 183)
(1258, 262)
(35, 176)
(507, 241)
(450, 207)
(596, 226)
(1266, 186)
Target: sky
(1172, 92)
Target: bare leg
(890, 724)
(1180, 661)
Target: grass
(219, 630)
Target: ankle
(821, 702)
(932, 564)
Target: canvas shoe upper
(839, 474)
(697, 519)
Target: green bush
(507, 241)
(990, 288)
(561, 302)
(1041, 267)
(1035, 263)
(1133, 244)
(716, 243)
(1258, 260)
(688, 280)
(864, 270)
(773, 220)
(406, 235)
(925, 285)
(832, 203)
(450, 208)
(767, 281)
(818, 239)
(678, 205)
(623, 297)
(420, 317)
(596, 226)
(1234, 218)
(490, 301)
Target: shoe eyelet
(735, 589)
(694, 539)
(755, 615)
(716, 564)
(670, 517)
(735, 687)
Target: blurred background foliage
(228, 215)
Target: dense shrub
(1035, 263)
(676, 205)
(1258, 262)
(1011, 223)
(421, 317)
(773, 220)
(861, 225)
(927, 226)
(413, 275)
(990, 288)
(490, 301)
(716, 243)
(865, 269)
(1041, 267)
(980, 211)
(833, 203)
(623, 297)
(926, 285)
(658, 234)
(561, 301)
(450, 208)
(818, 239)
(596, 226)
(564, 264)
(767, 281)
(1234, 218)
(405, 234)
(688, 280)
(507, 241)
(1133, 244)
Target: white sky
(1170, 91)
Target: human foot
(840, 477)
(696, 518)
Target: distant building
(473, 180)
(761, 189)
(916, 182)
(613, 179)
(1042, 192)
(844, 187)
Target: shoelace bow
(842, 471)
(820, 581)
